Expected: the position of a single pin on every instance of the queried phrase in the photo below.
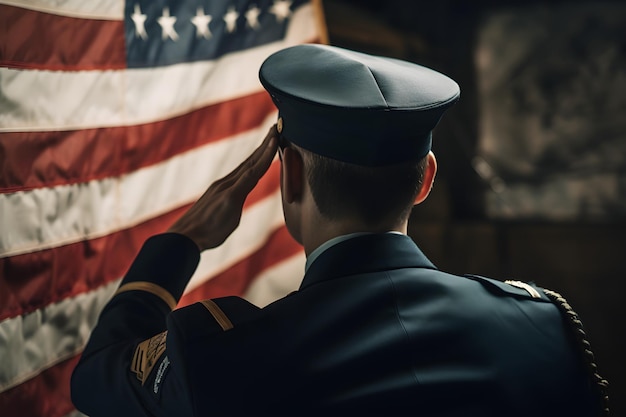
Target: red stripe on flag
(47, 159)
(234, 281)
(47, 394)
(46, 41)
(31, 281)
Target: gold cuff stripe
(150, 287)
(218, 314)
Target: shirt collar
(332, 242)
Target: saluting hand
(218, 212)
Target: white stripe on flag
(91, 9)
(277, 282)
(91, 99)
(39, 340)
(48, 217)
(76, 413)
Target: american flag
(114, 118)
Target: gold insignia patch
(529, 289)
(146, 356)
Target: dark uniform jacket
(375, 329)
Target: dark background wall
(582, 258)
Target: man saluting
(375, 328)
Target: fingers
(264, 154)
(267, 149)
(218, 212)
(252, 169)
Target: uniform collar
(330, 243)
(361, 253)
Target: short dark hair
(343, 190)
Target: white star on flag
(167, 25)
(230, 19)
(281, 9)
(201, 22)
(252, 17)
(139, 20)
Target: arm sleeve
(124, 364)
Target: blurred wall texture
(532, 160)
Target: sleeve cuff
(167, 260)
(152, 289)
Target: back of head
(363, 123)
(369, 194)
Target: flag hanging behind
(114, 118)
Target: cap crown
(355, 107)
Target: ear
(292, 175)
(429, 178)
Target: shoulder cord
(602, 385)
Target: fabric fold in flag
(114, 117)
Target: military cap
(354, 107)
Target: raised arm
(126, 358)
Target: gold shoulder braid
(576, 325)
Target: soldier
(375, 328)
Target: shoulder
(210, 317)
(198, 348)
(511, 288)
